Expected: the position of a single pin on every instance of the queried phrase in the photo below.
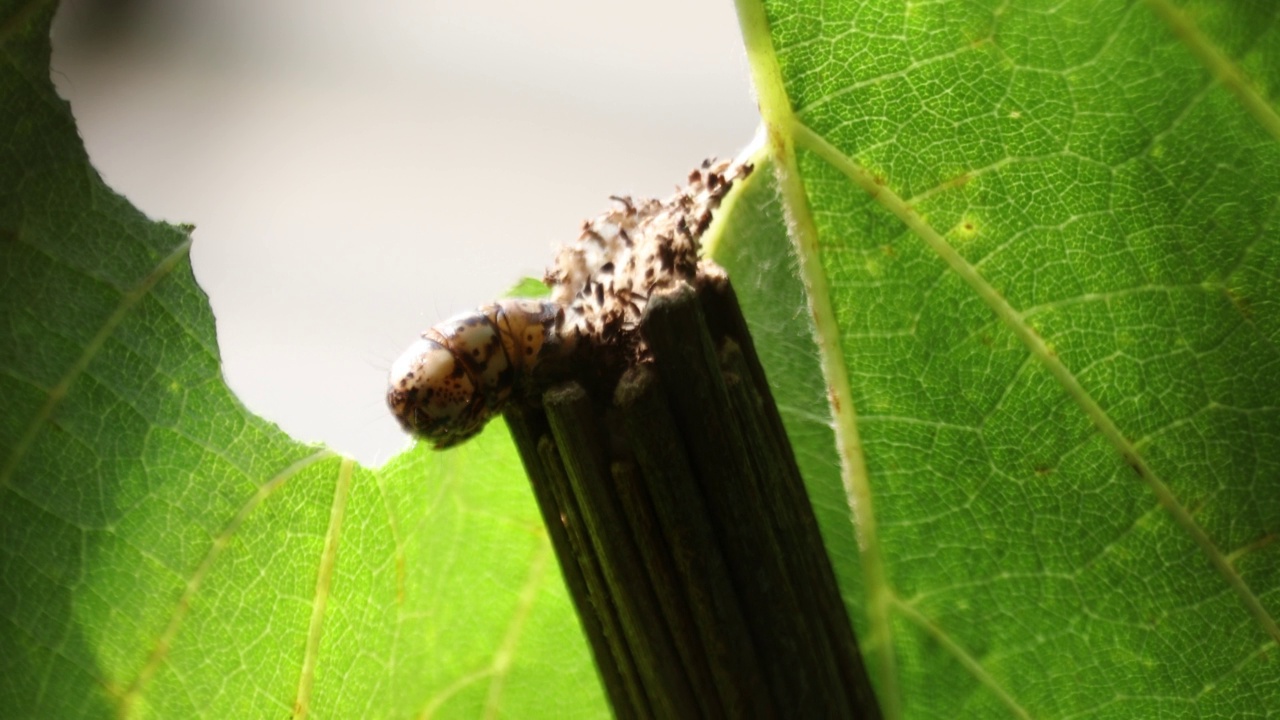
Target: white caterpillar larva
(461, 372)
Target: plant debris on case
(462, 371)
(660, 465)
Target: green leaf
(1041, 248)
(164, 553)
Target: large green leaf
(164, 553)
(1041, 243)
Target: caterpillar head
(434, 397)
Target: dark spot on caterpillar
(447, 402)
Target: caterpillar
(460, 373)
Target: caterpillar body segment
(461, 372)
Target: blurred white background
(358, 171)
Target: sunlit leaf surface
(1043, 243)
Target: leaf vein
(780, 126)
(1011, 318)
(59, 391)
(1222, 68)
(167, 636)
(324, 586)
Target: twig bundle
(684, 530)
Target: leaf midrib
(779, 121)
(786, 132)
(1016, 322)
